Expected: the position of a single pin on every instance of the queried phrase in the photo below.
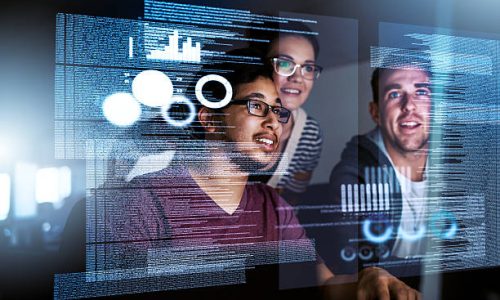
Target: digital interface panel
(209, 147)
(463, 160)
(116, 80)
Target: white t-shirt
(410, 238)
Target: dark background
(27, 31)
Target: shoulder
(310, 140)
(267, 195)
(262, 193)
(358, 153)
(312, 129)
(361, 149)
(142, 194)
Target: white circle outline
(179, 99)
(344, 255)
(213, 77)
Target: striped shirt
(301, 155)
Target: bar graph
(189, 53)
(365, 197)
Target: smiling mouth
(409, 124)
(266, 143)
(290, 91)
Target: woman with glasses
(293, 58)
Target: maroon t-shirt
(169, 206)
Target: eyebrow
(254, 95)
(423, 85)
(291, 58)
(398, 86)
(391, 87)
(261, 97)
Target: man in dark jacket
(379, 186)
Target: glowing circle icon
(210, 104)
(443, 224)
(382, 252)
(121, 109)
(348, 253)
(365, 253)
(374, 238)
(152, 88)
(181, 100)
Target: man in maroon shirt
(204, 202)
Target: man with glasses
(203, 200)
(202, 214)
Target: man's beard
(243, 160)
(415, 147)
(197, 154)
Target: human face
(293, 90)
(403, 111)
(255, 139)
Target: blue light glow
(53, 185)
(24, 204)
(4, 196)
(348, 253)
(378, 239)
(365, 253)
(440, 221)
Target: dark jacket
(366, 197)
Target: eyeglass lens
(261, 109)
(288, 68)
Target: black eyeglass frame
(274, 61)
(266, 110)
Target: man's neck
(224, 184)
(414, 161)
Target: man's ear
(207, 119)
(374, 112)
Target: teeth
(291, 91)
(266, 141)
(409, 124)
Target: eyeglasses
(286, 67)
(261, 109)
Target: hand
(377, 283)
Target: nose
(297, 75)
(408, 103)
(271, 121)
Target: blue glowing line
(451, 233)
(385, 254)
